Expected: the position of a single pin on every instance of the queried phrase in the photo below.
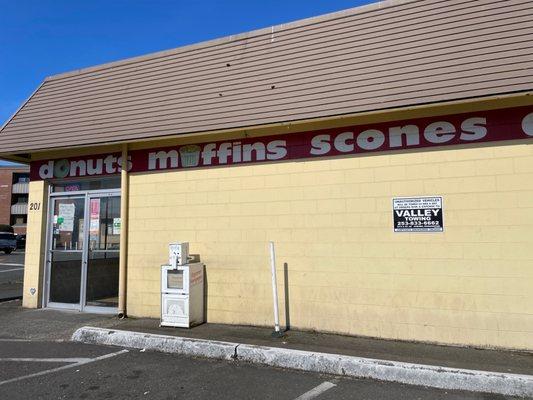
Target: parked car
(8, 242)
(21, 240)
(6, 228)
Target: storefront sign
(417, 214)
(460, 129)
(86, 166)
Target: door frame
(87, 195)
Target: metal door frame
(94, 194)
(86, 195)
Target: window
(20, 221)
(86, 184)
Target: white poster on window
(116, 226)
(94, 225)
(65, 218)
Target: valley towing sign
(417, 214)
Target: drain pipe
(277, 331)
(123, 233)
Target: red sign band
(459, 129)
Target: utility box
(182, 292)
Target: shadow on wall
(286, 294)
(206, 287)
(287, 302)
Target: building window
(77, 185)
(19, 220)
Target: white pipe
(274, 287)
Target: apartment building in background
(14, 184)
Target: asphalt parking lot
(38, 361)
(64, 370)
(11, 274)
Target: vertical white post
(274, 289)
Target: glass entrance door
(103, 252)
(84, 245)
(66, 251)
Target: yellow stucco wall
(331, 220)
(348, 272)
(34, 258)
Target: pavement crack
(235, 355)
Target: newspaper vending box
(182, 289)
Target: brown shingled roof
(385, 55)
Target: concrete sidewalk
(44, 324)
(446, 356)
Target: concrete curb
(162, 343)
(358, 367)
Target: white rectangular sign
(66, 217)
(417, 214)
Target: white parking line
(11, 264)
(76, 363)
(317, 391)
(11, 270)
(44, 360)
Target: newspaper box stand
(182, 294)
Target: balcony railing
(19, 209)
(20, 188)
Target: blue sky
(42, 38)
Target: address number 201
(35, 206)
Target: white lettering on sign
(46, 171)
(416, 213)
(473, 129)
(410, 133)
(162, 159)
(78, 168)
(320, 145)
(277, 149)
(487, 126)
(370, 139)
(96, 167)
(398, 136)
(83, 167)
(341, 142)
(527, 124)
(439, 132)
(223, 153)
(209, 152)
